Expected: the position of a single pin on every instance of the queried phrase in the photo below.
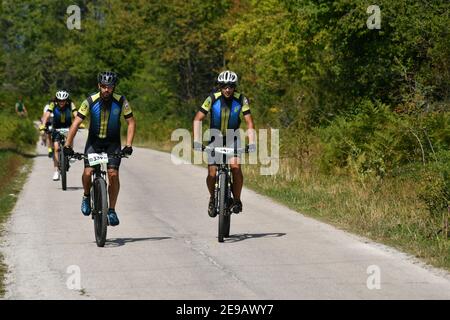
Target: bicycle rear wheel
(62, 168)
(222, 209)
(100, 211)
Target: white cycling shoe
(56, 176)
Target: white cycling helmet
(227, 77)
(62, 95)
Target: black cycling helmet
(108, 78)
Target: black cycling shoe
(236, 207)
(211, 209)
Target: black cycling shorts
(103, 145)
(218, 158)
(56, 136)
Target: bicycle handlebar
(225, 150)
(81, 156)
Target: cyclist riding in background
(46, 135)
(20, 108)
(64, 111)
(226, 107)
(104, 108)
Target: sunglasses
(228, 86)
(104, 86)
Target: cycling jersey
(20, 106)
(225, 113)
(105, 116)
(62, 117)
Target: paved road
(166, 246)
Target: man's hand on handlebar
(68, 150)
(251, 148)
(198, 146)
(43, 127)
(127, 150)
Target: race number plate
(97, 158)
(224, 150)
(64, 132)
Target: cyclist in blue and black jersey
(104, 109)
(63, 111)
(226, 108)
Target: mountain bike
(223, 188)
(99, 191)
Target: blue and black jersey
(225, 113)
(105, 116)
(62, 117)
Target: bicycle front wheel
(62, 168)
(227, 221)
(100, 211)
(222, 207)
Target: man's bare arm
(251, 128)
(131, 130)
(73, 131)
(197, 126)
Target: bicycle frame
(62, 135)
(99, 172)
(223, 189)
(223, 168)
(62, 160)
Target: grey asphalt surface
(166, 245)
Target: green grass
(14, 168)
(387, 211)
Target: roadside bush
(16, 133)
(435, 184)
(363, 141)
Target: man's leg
(210, 183)
(55, 154)
(238, 182)
(113, 187)
(50, 145)
(56, 175)
(211, 179)
(86, 180)
(238, 178)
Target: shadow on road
(43, 155)
(118, 242)
(74, 188)
(246, 236)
